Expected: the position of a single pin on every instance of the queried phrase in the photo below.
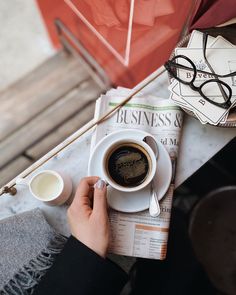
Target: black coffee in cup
(128, 164)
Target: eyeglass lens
(212, 91)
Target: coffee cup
(128, 165)
(48, 186)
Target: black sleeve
(79, 270)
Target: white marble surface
(73, 161)
(199, 144)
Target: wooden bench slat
(13, 169)
(60, 134)
(39, 89)
(46, 121)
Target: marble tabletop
(199, 143)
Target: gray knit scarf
(28, 246)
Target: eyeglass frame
(171, 63)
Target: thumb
(100, 197)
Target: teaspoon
(154, 207)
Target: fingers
(100, 198)
(82, 201)
(82, 194)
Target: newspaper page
(139, 234)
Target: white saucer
(132, 201)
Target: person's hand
(87, 215)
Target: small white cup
(152, 165)
(49, 186)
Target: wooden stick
(82, 131)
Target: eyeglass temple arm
(200, 71)
(204, 46)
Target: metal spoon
(154, 207)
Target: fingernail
(100, 184)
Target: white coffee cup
(51, 187)
(151, 161)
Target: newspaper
(139, 234)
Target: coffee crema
(128, 164)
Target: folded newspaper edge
(139, 234)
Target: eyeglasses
(182, 62)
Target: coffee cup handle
(22, 181)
